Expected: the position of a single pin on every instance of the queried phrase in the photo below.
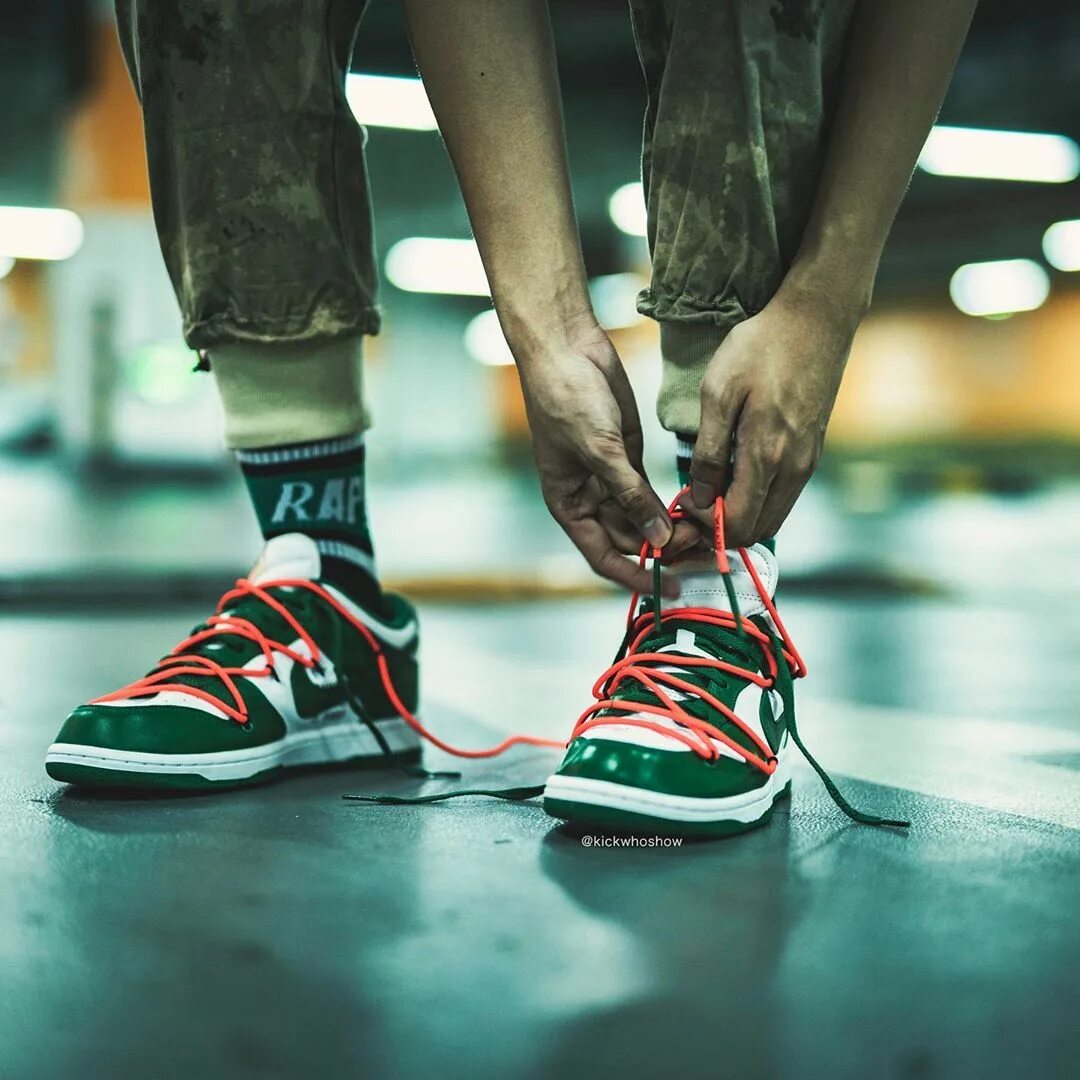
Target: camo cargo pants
(259, 184)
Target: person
(779, 139)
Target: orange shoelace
(646, 668)
(181, 662)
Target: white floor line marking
(982, 762)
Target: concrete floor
(283, 932)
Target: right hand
(588, 445)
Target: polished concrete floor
(283, 932)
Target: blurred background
(957, 429)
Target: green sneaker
(663, 749)
(288, 673)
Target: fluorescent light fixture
(1061, 245)
(429, 265)
(36, 233)
(614, 299)
(1000, 155)
(999, 288)
(627, 209)
(485, 343)
(6, 264)
(388, 101)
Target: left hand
(766, 400)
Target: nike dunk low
(289, 672)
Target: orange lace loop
(179, 662)
(647, 668)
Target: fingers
(756, 464)
(629, 489)
(784, 493)
(633, 439)
(710, 467)
(624, 537)
(687, 544)
(593, 542)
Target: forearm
(489, 69)
(900, 59)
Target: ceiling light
(38, 233)
(999, 288)
(386, 101)
(430, 265)
(1000, 155)
(485, 343)
(1061, 245)
(627, 209)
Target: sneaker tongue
(704, 586)
(293, 555)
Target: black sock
(317, 488)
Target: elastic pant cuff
(287, 393)
(686, 348)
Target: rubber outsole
(580, 814)
(342, 744)
(120, 779)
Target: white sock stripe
(283, 455)
(336, 549)
(683, 448)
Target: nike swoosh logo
(313, 694)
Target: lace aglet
(893, 823)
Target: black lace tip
(382, 800)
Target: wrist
(835, 268)
(536, 337)
(843, 299)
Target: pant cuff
(287, 393)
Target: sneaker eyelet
(247, 725)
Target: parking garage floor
(284, 932)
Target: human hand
(588, 443)
(765, 402)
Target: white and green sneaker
(689, 732)
(692, 727)
(289, 672)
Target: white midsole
(746, 807)
(333, 742)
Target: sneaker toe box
(673, 772)
(157, 729)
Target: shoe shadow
(706, 922)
